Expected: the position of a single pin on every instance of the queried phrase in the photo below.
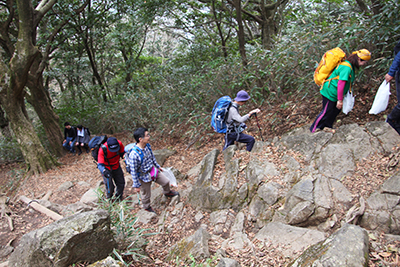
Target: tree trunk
(40, 101)
(4, 125)
(13, 80)
(36, 157)
(242, 49)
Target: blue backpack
(128, 150)
(95, 143)
(219, 114)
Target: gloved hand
(107, 173)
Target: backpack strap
(343, 63)
(141, 154)
(104, 148)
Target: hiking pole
(259, 128)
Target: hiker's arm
(395, 66)
(101, 167)
(236, 116)
(340, 90)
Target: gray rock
(291, 163)
(90, 197)
(269, 192)
(195, 245)
(336, 167)
(303, 141)
(302, 191)
(238, 224)
(300, 213)
(78, 238)
(356, 139)
(340, 193)
(392, 185)
(226, 262)
(289, 239)
(348, 247)
(107, 262)
(65, 186)
(386, 135)
(162, 154)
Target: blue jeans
(69, 147)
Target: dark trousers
(119, 180)
(327, 116)
(395, 114)
(230, 139)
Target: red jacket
(112, 157)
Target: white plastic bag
(170, 175)
(348, 102)
(381, 99)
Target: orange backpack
(330, 60)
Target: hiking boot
(79, 153)
(150, 209)
(172, 194)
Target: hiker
(145, 169)
(82, 138)
(110, 168)
(394, 72)
(69, 137)
(235, 122)
(333, 90)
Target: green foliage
(130, 238)
(174, 81)
(9, 150)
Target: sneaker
(172, 194)
(150, 209)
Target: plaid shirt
(140, 171)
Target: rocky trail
(18, 218)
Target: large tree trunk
(242, 49)
(13, 81)
(36, 157)
(41, 102)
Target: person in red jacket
(110, 169)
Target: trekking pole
(259, 128)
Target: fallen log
(55, 216)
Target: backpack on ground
(330, 60)
(220, 113)
(94, 145)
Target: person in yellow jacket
(334, 90)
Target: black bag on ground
(95, 143)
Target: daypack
(330, 60)
(219, 114)
(94, 145)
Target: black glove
(107, 173)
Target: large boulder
(195, 245)
(383, 208)
(84, 237)
(291, 239)
(347, 247)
